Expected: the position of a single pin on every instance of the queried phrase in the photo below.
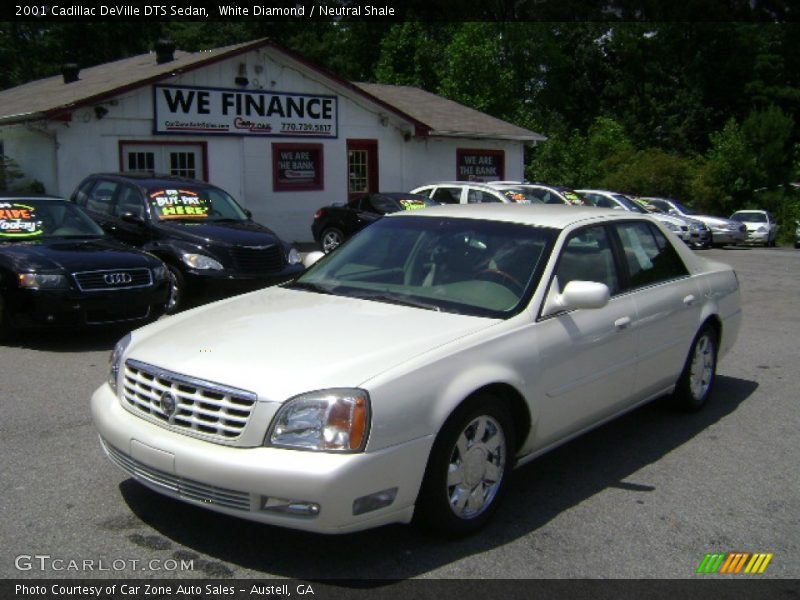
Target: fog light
(289, 507)
(374, 501)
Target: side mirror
(578, 294)
(311, 258)
(249, 213)
(133, 219)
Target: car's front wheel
(331, 238)
(469, 468)
(699, 373)
(177, 289)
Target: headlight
(160, 273)
(294, 256)
(201, 261)
(335, 420)
(761, 229)
(40, 281)
(115, 361)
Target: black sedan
(210, 244)
(58, 268)
(335, 223)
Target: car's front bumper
(757, 237)
(722, 237)
(226, 282)
(29, 309)
(236, 481)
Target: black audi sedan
(58, 268)
(210, 244)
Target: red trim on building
(371, 146)
(279, 185)
(203, 145)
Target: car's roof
(22, 196)
(482, 184)
(559, 216)
(145, 179)
(753, 210)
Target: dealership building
(281, 134)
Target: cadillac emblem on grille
(168, 404)
(117, 278)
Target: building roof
(52, 99)
(445, 117)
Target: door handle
(622, 322)
(689, 300)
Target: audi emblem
(117, 278)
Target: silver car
(762, 228)
(617, 201)
(723, 231)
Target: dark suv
(208, 242)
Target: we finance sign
(198, 110)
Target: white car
(404, 375)
(461, 192)
(762, 228)
(539, 192)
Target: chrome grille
(113, 279)
(184, 488)
(202, 407)
(259, 260)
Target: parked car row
(128, 248)
(334, 224)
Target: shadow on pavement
(540, 491)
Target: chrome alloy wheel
(476, 467)
(330, 239)
(701, 371)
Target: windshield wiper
(401, 299)
(310, 287)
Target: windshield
(684, 209)
(36, 219)
(193, 203)
(521, 194)
(749, 217)
(574, 197)
(465, 266)
(628, 203)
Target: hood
(72, 255)
(279, 342)
(716, 221)
(239, 233)
(680, 222)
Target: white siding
(243, 165)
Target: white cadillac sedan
(403, 375)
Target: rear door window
(649, 256)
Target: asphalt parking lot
(646, 496)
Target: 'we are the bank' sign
(199, 110)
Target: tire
(331, 238)
(177, 290)
(467, 473)
(697, 379)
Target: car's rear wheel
(468, 469)
(177, 290)
(331, 238)
(699, 373)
